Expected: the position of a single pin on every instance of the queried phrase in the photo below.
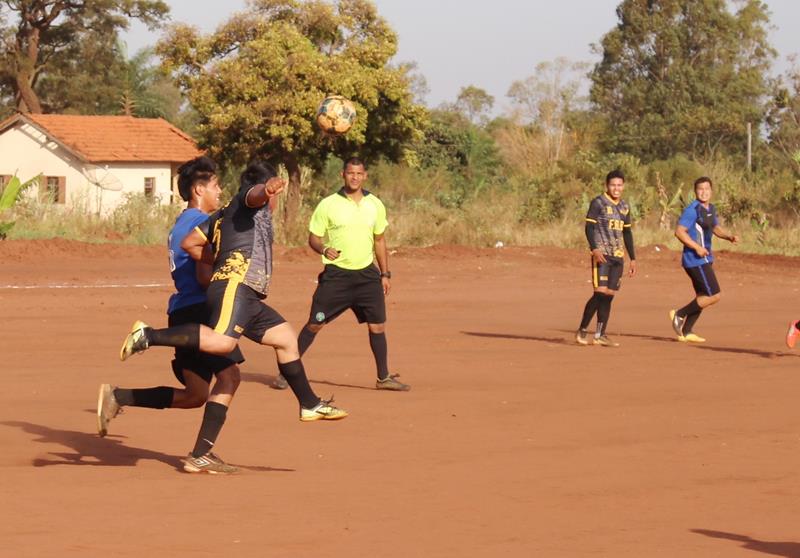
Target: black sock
(213, 419)
(690, 321)
(590, 309)
(152, 398)
(377, 342)
(186, 336)
(305, 339)
(690, 308)
(603, 313)
(296, 377)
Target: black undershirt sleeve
(627, 236)
(590, 235)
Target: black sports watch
(387, 274)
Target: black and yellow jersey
(610, 219)
(241, 238)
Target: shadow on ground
(90, 449)
(774, 548)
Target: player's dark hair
(199, 169)
(702, 180)
(257, 172)
(354, 161)
(616, 173)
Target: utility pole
(749, 147)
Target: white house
(91, 162)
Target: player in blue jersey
(608, 231)
(198, 185)
(697, 225)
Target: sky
(488, 44)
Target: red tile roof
(102, 139)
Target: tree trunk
(292, 205)
(27, 55)
(28, 100)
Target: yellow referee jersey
(349, 227)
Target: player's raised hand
(275, 186)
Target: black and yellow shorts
(608, 274)
(202, 364)
(238, 310)
(359, 290)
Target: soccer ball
(336, 115)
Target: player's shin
(213, 420)
(295, 375)
(186, 336)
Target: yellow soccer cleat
(323, 411)
(691, 338)
(135, 341)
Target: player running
(199, 186)
(696, 227)
(241, 235)
(608, 230)
(347, 230)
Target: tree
(45, 34)
(784, 119)
(256, 83)
(682, 76)
(475, 103)
(547, 99)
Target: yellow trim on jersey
(609, 198)
(205, 238)
(591, 221)
(226, 313)
(595, 281)
(626, 225)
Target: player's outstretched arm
(259, 195)
(725, 235)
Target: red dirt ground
(513, 441)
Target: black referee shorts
(704, 280)
(238, 310)
(202, 364)
(340, 289)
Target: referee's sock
(213, 419)
(603, 313)
(689, 309)
(377, 342)
(296, 377)
(186, 336)
(305, 339)
(590, 309)
(152, 398)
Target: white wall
(26, 152)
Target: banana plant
(9, 197)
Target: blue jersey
(700, 223)
(181, 264)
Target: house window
(150, 187)
(53, 189)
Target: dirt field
(513, 441)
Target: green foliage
(682, 77)
(9, 196)
(255, 84)
(52, 47)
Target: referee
(347, 230)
